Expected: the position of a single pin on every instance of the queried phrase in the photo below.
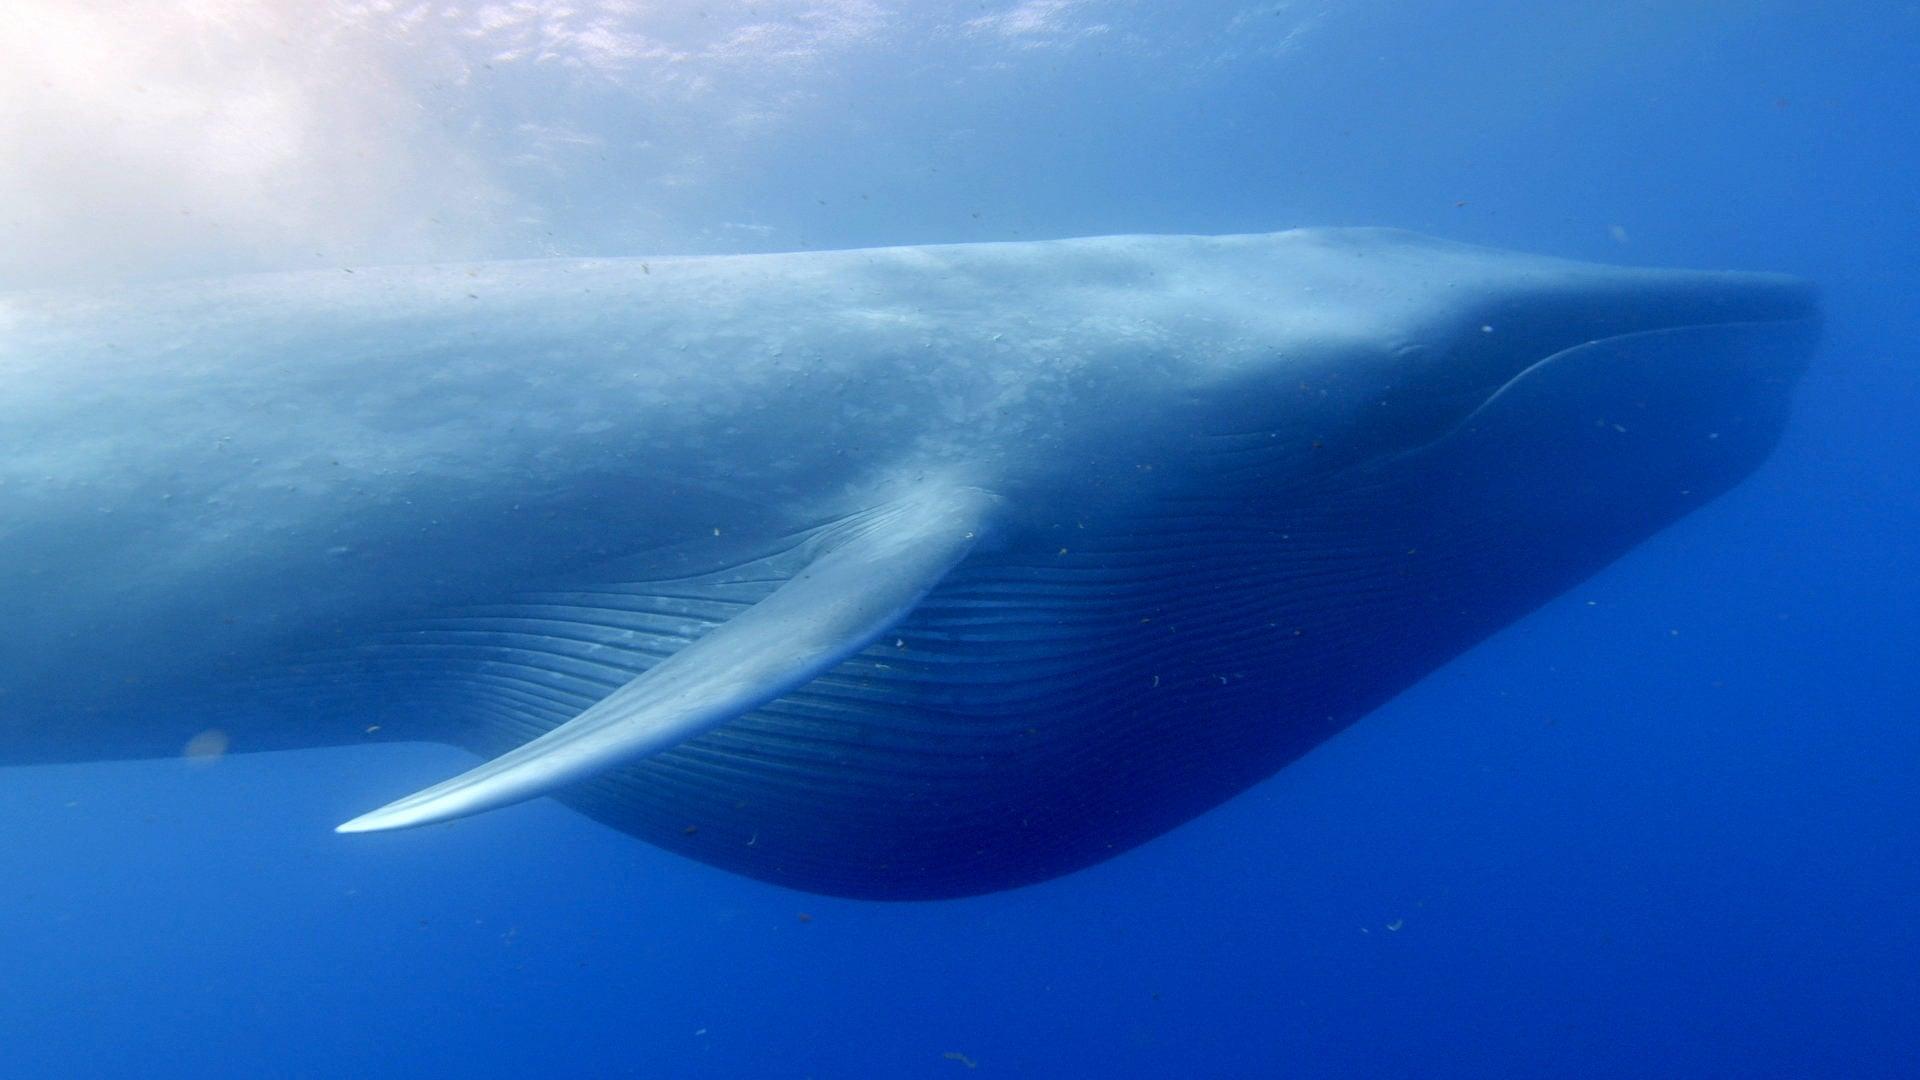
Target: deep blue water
(1668, 825)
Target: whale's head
(1378, 344)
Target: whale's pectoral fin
(868, 573)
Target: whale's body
(908, 572)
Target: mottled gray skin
(260, 500)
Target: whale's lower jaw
(1076, 695)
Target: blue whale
(903, 573)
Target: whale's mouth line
(1538, 366)
(1476, 402)
(1541, 367)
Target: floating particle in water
(206, 747)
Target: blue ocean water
(1665, 826)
